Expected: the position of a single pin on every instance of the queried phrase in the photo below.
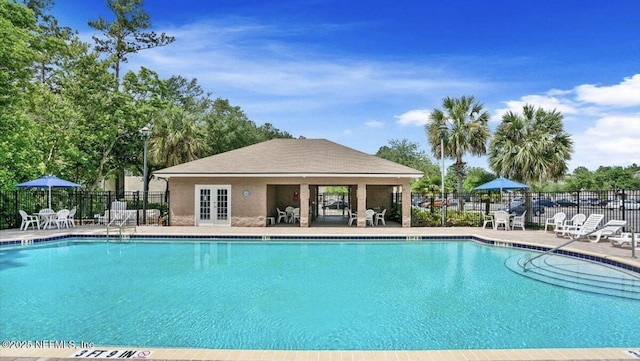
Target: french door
(213, 205)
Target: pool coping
(179, 354)
(630, 353)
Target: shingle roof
(288, 157)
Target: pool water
(294, 296)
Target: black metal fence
(88, 205)
(619, 204)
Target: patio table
(47, 219)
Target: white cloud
(612, 140)
(625, 94)
(374, 124)
(413, 117)
(617, 126)
(547, 102)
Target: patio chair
(555, 221)
(625, 239)
(588, 226)
(29, 220)
(352, 216)
(71, 220)
(574, 223)
(501, 218)
(62, 218)
(295, 215)
(487, 219)
(289, 211)
(368, 217)
(379, 217)
(518, 221)
(282, 216)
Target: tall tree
(51, 42)
(124, 35)
(228, 128)
(18, 162)
(463, 125)
(101, 114)
(531, 147)
(408, 153)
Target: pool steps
(578, 274)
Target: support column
(362, 204)
(304, 205)
(406, 204)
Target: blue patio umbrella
(501, 183)
(48, 181)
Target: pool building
(246, 186)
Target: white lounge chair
(611, 228)
(624, 239)
(555, 221)
(590, 225)
(118, 211)
(29, 220)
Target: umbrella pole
(50, 197)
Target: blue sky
(361, 73)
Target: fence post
(624, 208)
(136, 198)
(16, 196)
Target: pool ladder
(121, 224)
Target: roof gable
(286, 157)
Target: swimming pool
(298, 295)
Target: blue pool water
(314, 296)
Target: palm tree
(176, 138)
(532, 147)
(463, 124)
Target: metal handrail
(583, 236)
(121, 225)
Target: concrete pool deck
(536, 237)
